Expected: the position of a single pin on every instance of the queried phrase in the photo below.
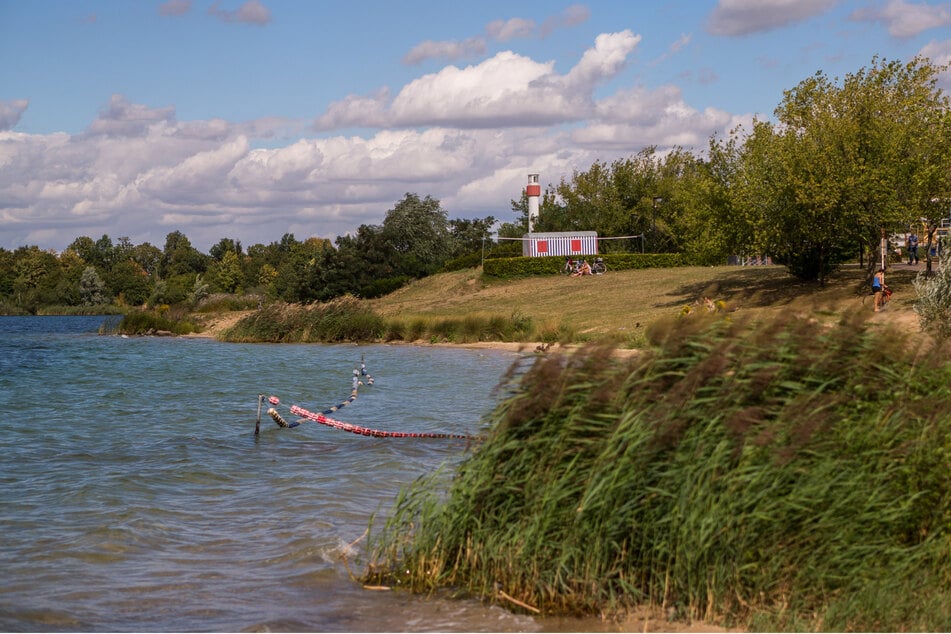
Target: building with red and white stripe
(565, 243)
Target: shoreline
(218, 325)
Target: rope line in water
(366, 431)
(323, 418)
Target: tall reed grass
(342, 320)
(778, 476)
(349, 319)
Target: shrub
(551, 265)
(934, 299)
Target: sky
(250, 119)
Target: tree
(418, 232)
(225, 245)
(91, 287)
(147, 257)
(844, 163)
(129, 283)
(226, 275)
(180, 258)
(37, 276)
(468, 236)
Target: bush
(385, 286)
(934, 299)
(552, 265)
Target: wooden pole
(257, 424)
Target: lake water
(134, 495)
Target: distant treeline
(416, 239)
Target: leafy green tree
(591, 202)
(129, 283)
(105, 253)
(86, 248)
(641, 196)
(467, 236)
(7, 274)
(225, 275)
(711, 228)
(147, 257)
(37, 276)
(225, 245)
(180, 258)
(844, 164)
(418, 233)
(91, 287)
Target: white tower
(534, 192)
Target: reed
(341, 320)
(143, 322)
(779, 476)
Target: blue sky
(248, 119)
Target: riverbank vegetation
(784, 475)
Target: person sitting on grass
(584, 269)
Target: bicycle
(599, 266)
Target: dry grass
(620, 304)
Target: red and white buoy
(534, 191)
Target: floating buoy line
(360, 377)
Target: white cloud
(742, 17)
(504, 90)
(11, 111)
(603, 61)
(906, 19)
(639, 117)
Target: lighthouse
(534, 192)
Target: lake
(136, 497)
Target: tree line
(416, 239)
(845, 163)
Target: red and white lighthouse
(534, 191)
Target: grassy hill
(620, 304)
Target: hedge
(550, 265)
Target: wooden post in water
(257, 425)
